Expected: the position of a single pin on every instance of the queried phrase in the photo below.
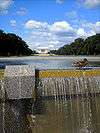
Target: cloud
(3, 12)
(59, 1)
(97, 27)
(62, 29)
(43, 34)
(81, 32)
(60, 26)
(32, 24)
(93, 27)
(90, 3)
(71, 14)
(90, 33)
(51, 46)
(22, 11)
(5, 5)
(13, 23)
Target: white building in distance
(42, 50)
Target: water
(75, 115)
(75, 107)
(48, 62)
(64, 87)
(43, 64)
(67, 114)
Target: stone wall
(19, 81)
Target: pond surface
(48, 62)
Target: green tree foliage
(13, 45)
(89, 46)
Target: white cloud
(87, 24)
(80, 32)
(4, 6)
(90, 3)
(57, 34)
(51, 46)
(60, 26)
(22, 11)
(90, 33)
(62, 29)
(32, 24)
(71, 14)
(59, 1)
(13, 23)
(3, 12)
(97, 27)
(93, 27)
(44, 34)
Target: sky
(50, 23)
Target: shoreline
(90, 58)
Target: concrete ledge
(55, 83)
(1, 74)
(68, 73)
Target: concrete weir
(24, 81)
(19, 81)
(62, 83)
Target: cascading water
(74, 107)
(2, 110)
(62, 87)
(71, 104)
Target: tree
(89, 46)
(11, 45)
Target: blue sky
(50, 23)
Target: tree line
(80, 46)
(13, 45)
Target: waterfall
(74, 108)
(75, 105)
(2, 97)
(64, 87)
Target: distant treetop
(13, 45)
(88, 46)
